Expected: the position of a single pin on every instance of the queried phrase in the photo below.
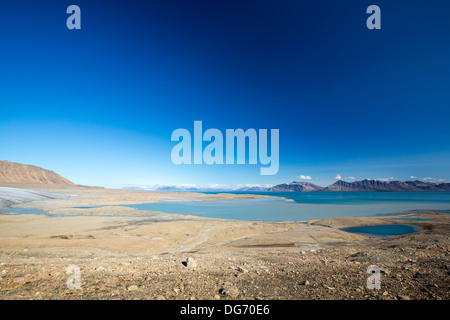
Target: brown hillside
(11, 172)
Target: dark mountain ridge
(364, 185)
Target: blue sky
(98, 105)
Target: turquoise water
(300, 206)
(307, 206)
(23, 211)
(93, 207)
(323, 197)
(384, 230)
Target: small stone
(20, 280)
(160, 298)
(230, 291)
(385, 293)
(132, 288)
(304, 283)
(403, 297)
(242, 270)
(27, 278)
(191, 263)
(385, 271)
(217, 297)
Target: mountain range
(11, 172)
(364, 185)
(298, 186)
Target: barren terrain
(123, 253)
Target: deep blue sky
(98, 105)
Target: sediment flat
(125, 253)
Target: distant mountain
(392, 186)
(253, 189)
(364, 185)
(178, 188)
(430, 186)
(296, 186)
(11, 172)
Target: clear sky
(98, 105)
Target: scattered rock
(160, 298)
(132, 288)
(385, 271)
(229, 291)
(20, 280)
(190, 263)
(403, 297)
(28, 278)
(242, 270)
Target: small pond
(387, 230)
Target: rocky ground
(415, 266)
(236, 260)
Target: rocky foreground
(126, 257)
(408, 271)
